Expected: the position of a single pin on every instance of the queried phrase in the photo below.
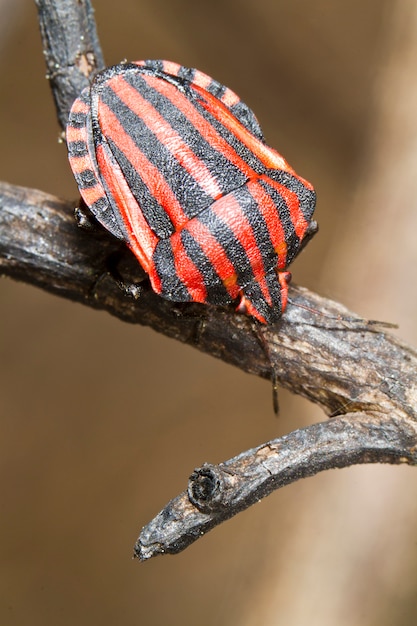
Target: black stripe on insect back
(240, 110)
(154, 64)
(270, 312)
(307, 197)
(251, 211)
(77, 119)
(245, 153)
(86, 179)
(248, 118)
(291, 238)
(188, 193)
(77, 149)
(227, 175)
(172, 287)
(186, 73)
(153, 212)
(216, 291)
(216, 89)
(274, 289)
(232, 248)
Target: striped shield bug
(175, 164)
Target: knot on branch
(207, 488)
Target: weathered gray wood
(344, 366)
(217, 492)
(71, 49)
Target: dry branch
(71, 48)
(217, 492)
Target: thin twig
(217, 492)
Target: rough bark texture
(71, 49)
(217, 492)
(322, 352)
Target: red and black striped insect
(175, 164)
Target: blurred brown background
(86, 401)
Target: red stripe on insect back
(229, 211)
(92, 194)
(170, 67)
(202, 79)
(269, 157)
(270, 214)
(229, 98)
(80, 106)
(213, 138)
(187, 271)
(80, 163)
(76, 134)
(150, 175)
(293, 204)
(169, 137)
(215, 254)
(141, 238)
(165, 133)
